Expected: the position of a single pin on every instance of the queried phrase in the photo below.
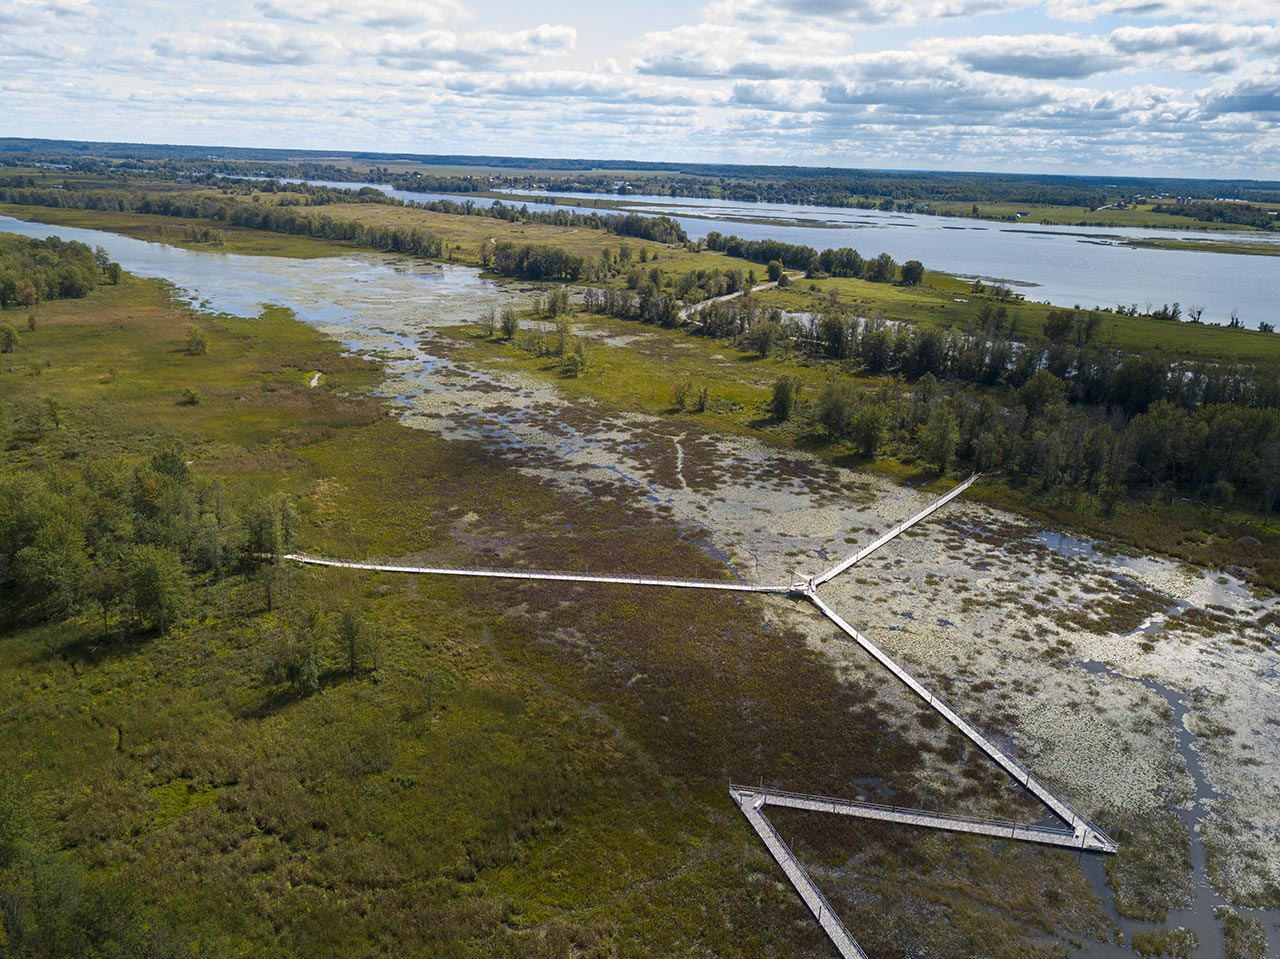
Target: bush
(190, 397)
(197, 345)
(786, 393)
(510, 322)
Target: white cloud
(35, 13)
(484, 48)
(1169, 85)
(374, 13)
(246, 43)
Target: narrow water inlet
(1200, 917)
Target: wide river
(1064, 265)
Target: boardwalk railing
(1095, 837)
(808, 891)
(896, 531)
(562, 576)
(1001, 828)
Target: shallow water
(1199, 917)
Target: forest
(51, 269)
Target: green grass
(1137, 216)
(950, 303)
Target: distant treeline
(1237, 214)
(843, 262)
(825, 185)
(225, 208)
(32, 270)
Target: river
(1063, 265)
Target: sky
(1113, 87)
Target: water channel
(392, 305)
(1064, 265)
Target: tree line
(285, 216)
(1221, 454)
(121, 541)
(842, 262)
(1237, 214)
(32, 270)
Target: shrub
(197, 345)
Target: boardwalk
(1078, 833)
(999, 828)
(551, 575)
(810, 893)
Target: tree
(8, 338)
(868, 428)
(762, 337)
(1058, 325)
(774, 270)
(836, 407)
(786, 393)
(941, 436)
(158, 585)
(1042, 392)
(352, 638)
(510, 321)
(50, 572)
(912, 273)
(197, 345)
(293, 663)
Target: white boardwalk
(809, 893)
(1088, 836)
(897, 531)
(552, 575)
(999, 828)
(1079, 833)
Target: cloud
(1259, 96)
(36, 13)
(372, 13)
(480, 49)
(553, 86)
(1224, 10)
(246, 43)
(1039, 57)
(1196, 38)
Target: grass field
(501, 786)
(949, 302)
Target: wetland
(1145, 690)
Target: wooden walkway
(1078, 832)
(552, 575)
(840, 937)
(999, 828)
